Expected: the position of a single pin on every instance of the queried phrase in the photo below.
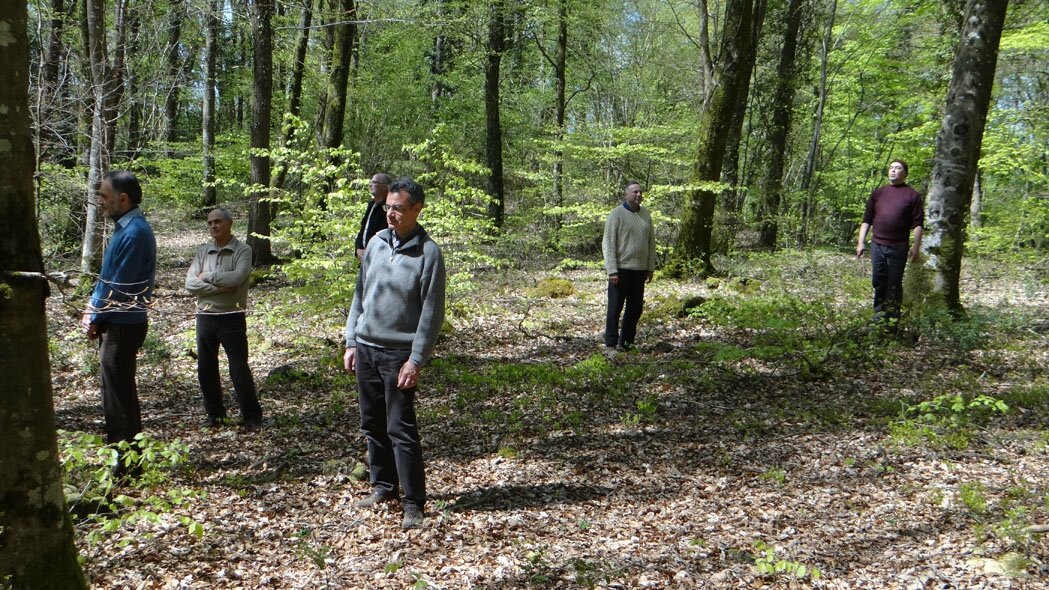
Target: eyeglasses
(395, 208)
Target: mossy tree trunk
(694, 245)
(957, 155)
(36, 536)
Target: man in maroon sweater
(893, 211)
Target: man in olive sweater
(894, 211)
(219, 277)
(629, 246)
(392, 329)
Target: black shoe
(251, 425)
(123, 473)
(413, 517)
(213, 422)
(376, 498)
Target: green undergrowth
(106, 506)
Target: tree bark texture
(782, 107)
(261, 213)
(493, 127)
(732, 169)
(958, 147)
(697, 220)
(817, 123)
(97, 158)
(560, 60)
(211, 55)
(331, 132)
(36, 536)
(173, 64)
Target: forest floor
(767, 438)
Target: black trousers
(231, 332)
(629, 293)
(887, 266)
(118, 358)
(388, 422)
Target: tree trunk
(211, 50)
(173, 64)
(331, 131)
(694, 241)
(782, 107)
(732, 169)
(294, 90)
(958, 150)
(36, 536)
(560, 59)
(260, 213)
(299, 67)
(821, 102)
(440, 56)
(493, 127)
(97, 154)
(976, 207)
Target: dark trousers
(629, 293)
(231, 331)
(887, 266)
(118, 354)
(388, 422)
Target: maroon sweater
(892, 212)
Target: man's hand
(90, 328)
(360, 253)
(613, 278)
(860, 248)
(408, 377)
(915, 252)
(349, 360)
(648, 276)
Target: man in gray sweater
(629, 246)
(392, 329)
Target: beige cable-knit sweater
(630, 241)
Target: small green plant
(769, 564)
(315, 553)
(775, 475)
(89, 465)
(945, 421)
(973, 496)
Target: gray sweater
(399, 299)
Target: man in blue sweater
(392, 329)
(116, 314)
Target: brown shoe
(376, 498)
(413, 517)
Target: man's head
(118, 193)
(632, 195)
(379, 187)
(403, 204)
(220, 225)
(897, 172)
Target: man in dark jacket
(374, 219)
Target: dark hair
(900, 162)
(631, 183)
(407, 185)
(124, 181)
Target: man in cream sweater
(629, 246)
